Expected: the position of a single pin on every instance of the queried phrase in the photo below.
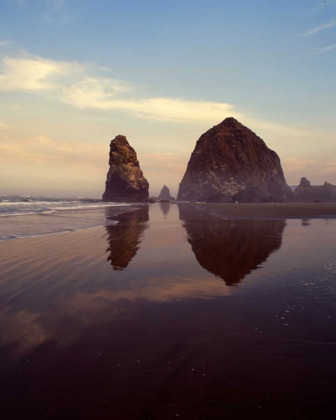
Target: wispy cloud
(82, 86)
(319, 28)
(33, 74)
(84, 95)
(4, 43)
(324, 50)
(71, 83)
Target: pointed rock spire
(125, 181)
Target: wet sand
(170, 313)
(272, 210)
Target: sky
(76, 73)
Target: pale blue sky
(79, 72)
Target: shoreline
(28, 226)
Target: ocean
(29, 216)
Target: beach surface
(170, 311)
(272, 210)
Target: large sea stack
(230, 162)
(307, 193)
(125, 181)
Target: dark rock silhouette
(229, 159)
(165, 194)
(125, 181)
(230, 249)
(305, 192)
(125, 237)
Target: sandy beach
(173, 309)
(272, 210)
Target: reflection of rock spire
(165, 207)
(125, 237)
(227, 248)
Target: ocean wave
(36, 212)
(67, 230)
(49, 206)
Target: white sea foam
(53, 215)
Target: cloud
(76, 87)
(102, 93)
(81, 86)
(91, 95)
(319, 28)
(94, 92)
(324, 50)
(4, 43)
(33, 74)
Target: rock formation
(228, 249)
(230, 159)
(125, 181)
(305, 192)
(165, 194)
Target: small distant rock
(307, 193)
(164, 195)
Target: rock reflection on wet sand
(230, 249)
(125, 237)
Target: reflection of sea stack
(125, 181)
(227, 248)
(125, 237)
(165, 207)
(230, 159)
